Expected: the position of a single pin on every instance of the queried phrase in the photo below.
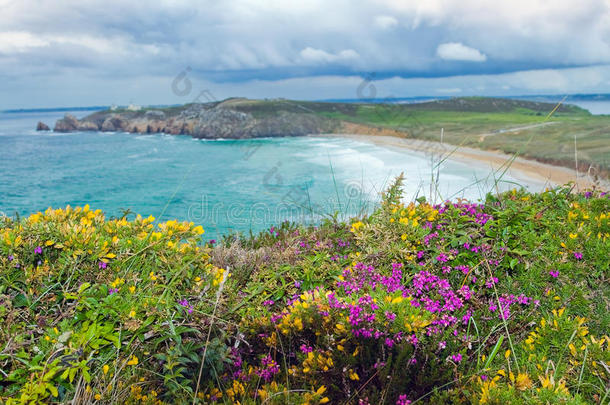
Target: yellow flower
(353, 375)
(97, 397)
(573, 235)
(132, 289)
(523, 382)
(198, 229)
(152, 276)
(356, 226)
(105, 368)
(133, 361)
(132, 314)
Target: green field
(551, 143)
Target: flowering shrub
(499, 302)
(92, 306)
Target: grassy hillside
(505, 302)
(510, 126)
(507, 125)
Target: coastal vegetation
(559, 134)
(499, 302)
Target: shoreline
(521, 169)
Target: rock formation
(42, 126)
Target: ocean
(223, 185)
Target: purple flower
(297, 284)
(184, 303)
(11, 258)
(112, 291)
(402, 400)
(306, 349)
(212, 241)
(268, 303)
(38, 250)
(554, 273)
(456, 358)
(442, 258)
(578, 255)
(102, 265)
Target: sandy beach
(520, 168)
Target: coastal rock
(87, 126)
(66, 124)
(115, 123)
(231, 119)
(42, 126)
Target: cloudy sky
(76, 53)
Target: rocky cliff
(229, 119)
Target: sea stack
(42, 126)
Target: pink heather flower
(102, 265)
(38, 250)
(554, 273)
(402, 400)
(268, 368)
(456, 358)
(577, 255)
(112, 291)
(442, 258)
(268, 303)
(306, 349)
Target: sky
(82, 53)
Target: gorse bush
(500, 302)
(95, 309)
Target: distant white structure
(113, 107)
(133, 107)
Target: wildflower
(306, 349)
(356, 226)
(152, 276)
(402, 400)
(105, 369)
(442, 258)
(353, 375)
(97, 397)
(212, 241)
(554, 273)
(577, 255)
(573, 235)
(132, 314)
(132, 289)
(184, 303)
(268, 303)
(198, 229)
(523, 382)
(38, 250)
(113, 291)
(133, 361)
(102, 265)
(456, 358)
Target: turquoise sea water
(224, 185)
